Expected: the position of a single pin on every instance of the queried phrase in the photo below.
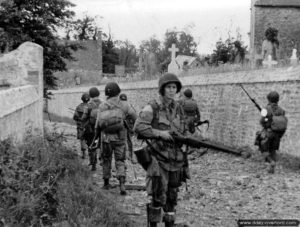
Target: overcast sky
(137, 20)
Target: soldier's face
(170, 90)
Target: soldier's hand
(165, 135)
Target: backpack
(279, 123)
(111, 120)
(189, 107)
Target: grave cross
(173, 51)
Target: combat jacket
(160, 116)
(128, 112)
(93, 104)
(78, 114)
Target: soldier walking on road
(165, 172)
(89, 118)
(110, 122)
(274, 126)
(80, 124)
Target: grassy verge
(43, 183)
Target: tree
(152, 45)
(110, 55)
(228, 51)
(183, 41)
(85, 28)
(37, 21)
(127, 54)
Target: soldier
(80, 126)
(191, 109)
(89, 118)
(274, 126)
(129, 125)
(110, 121)
(165, 171)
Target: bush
(42, 182)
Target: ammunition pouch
(257, 138)
(143, 157)
(155, 214)
(262, 140)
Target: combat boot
(272, 167)
(106, 185)
(122, 186)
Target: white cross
(173, 51)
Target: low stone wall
(21, 95)
(233, 117)
(21, 113)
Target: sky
(137, 20)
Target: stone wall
(234, 119)
(285, 18)
(21, 93)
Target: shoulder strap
(155, 108)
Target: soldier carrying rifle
(165, 171)
(274, 125)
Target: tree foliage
(228, 51)
(110, 56)
(38, 21)
(183, 41)
(127, 54)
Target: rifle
(252, 99)
(196, 142)
(130, 146)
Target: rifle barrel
(252, 99)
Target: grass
(43, 183)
